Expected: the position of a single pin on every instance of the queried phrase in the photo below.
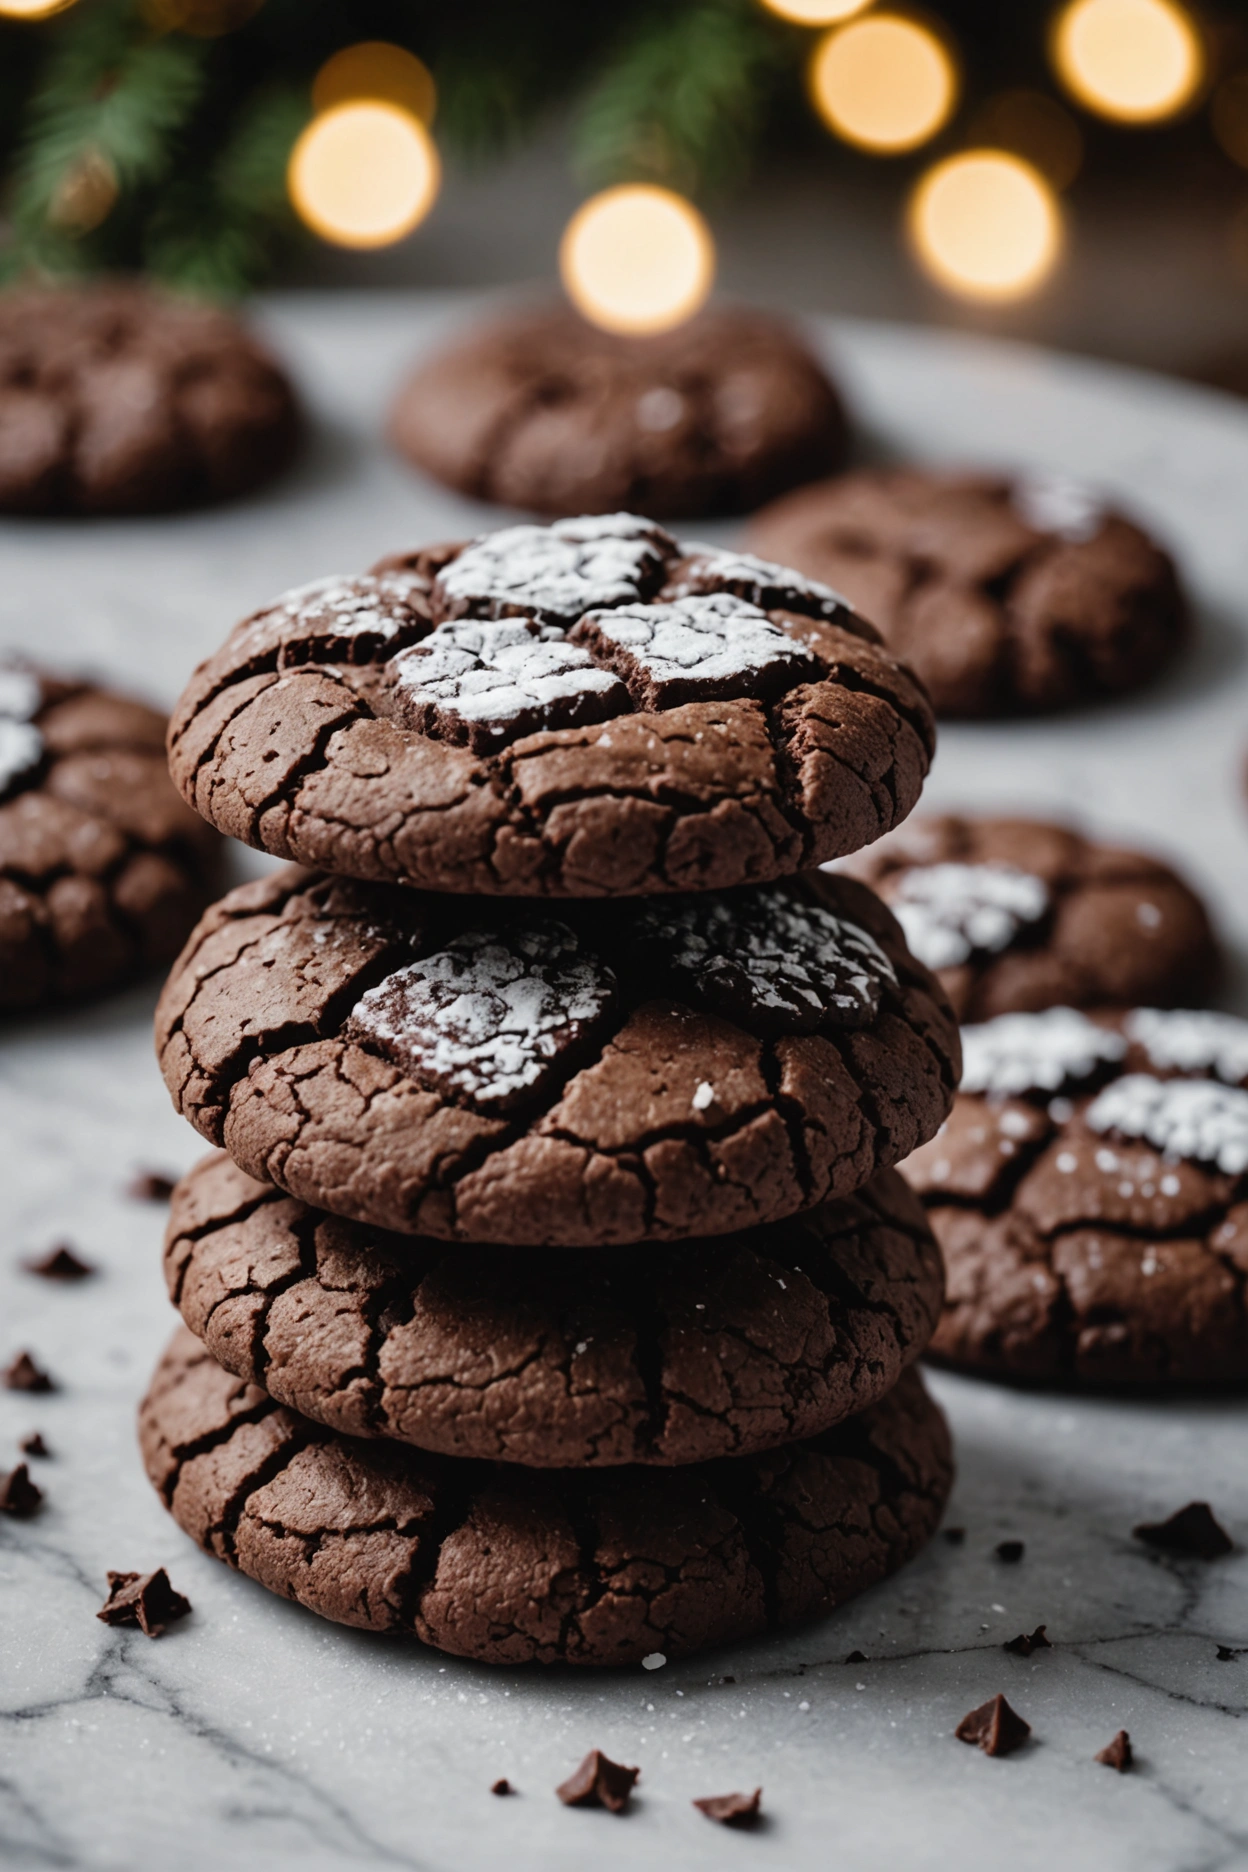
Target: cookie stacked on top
(554, 1297)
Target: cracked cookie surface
(544, 411)
(666, 1356)
(349, 1042)
(510, 1566)
(1016, 915)
(1090, 1195)
(103, 869)
(584, 710)
(1004, 597)
(117, 399)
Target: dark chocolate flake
(1118, 1753)
(599, 1782)
(1010, 1551)
(150, 1186)
(734, 1810)
(60, 1264)
(501, 1786)
(994, 1727)
(1192, 1532)
(143, 1599)
(1027, 1642)
(24, 1375)
(18, 1494)
(34, 1445)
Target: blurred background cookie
(1003, 596)
(545, 411)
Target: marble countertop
(253, 1734)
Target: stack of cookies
(553, 1296)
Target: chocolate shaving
(994, 1727)
(599, 1782)
(34, 1445)
(734, 1810)
(24, 1375)
(1027, 1642)
(18, 1494)
(1118, 1753)
(150, 1186)
(143, 1599)
(1009, 1551)
(60, 1264)
(501, 1786)
(1192, 1532)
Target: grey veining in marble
(253, 1735)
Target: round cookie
(587, 709)
(1090, 1194)
(1005, 597)
(651, 1069)
(543, 410)
(511, 1566)
(665, 1356)
(103, 869)
(116, 399)
(1016, 915)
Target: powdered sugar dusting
(1058, 504)
(1192, 1040)
(21, 744)
(760, 581)
(1191, 1118)
(1019, 1053)
(487, 681)
(487, 1019)
(21, 694)
(696, 648)
(557, 572)
(948, 911)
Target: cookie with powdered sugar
(586, 709)
(1016, 915)
(1005, 596)
(103, 869)
(1090, 1194)
(578, 1075)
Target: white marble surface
(253, 1735)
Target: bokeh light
(376, 69)
(985, 225)
(1034, 126)
(637, 259)
(363, 174)
(816, 12)
(1134, 61)
(884, 83)
(1229, 112)
(32, 9)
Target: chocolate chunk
(734, 1810)
(1027, 1642)
(151, 1186)
(1009, 1551)
(994, 1727)
(1118, 1753)
(696, 650)
(501, 1786)
(599, 1782)
(18, 1494)
(34, 1445)
(485, 683)
(556, 573)
(491, 1019)
(954, 1535)
(1192, 1532)
(774, 961)
(60, 1264)
(143, 1599)
(24, 1375)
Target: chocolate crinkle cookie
(585, 709)
(509, 1566)
(103, 869)
(543, 410)
(1090, 1194)
(1004, 596)
(117, 399)
(596, 1075)
(719, 1348)
(1015, 915)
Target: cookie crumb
(34, 1445)
(501, 1786)
(994, 1727)
(24, 1375)
(1118, 1753)
(734, 1810)
(1009, 1551)
(143, 1599)
(60, 1264)
(150, 1186)
(19, 1496)
(1192, 1532)
(599, 1782)
(1027, 1642)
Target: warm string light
(884, 83)
(1133, 61)
(363, 174)
(816, 12)
(32, 9)
(375, 69)
(985, 225)
(637, 259)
